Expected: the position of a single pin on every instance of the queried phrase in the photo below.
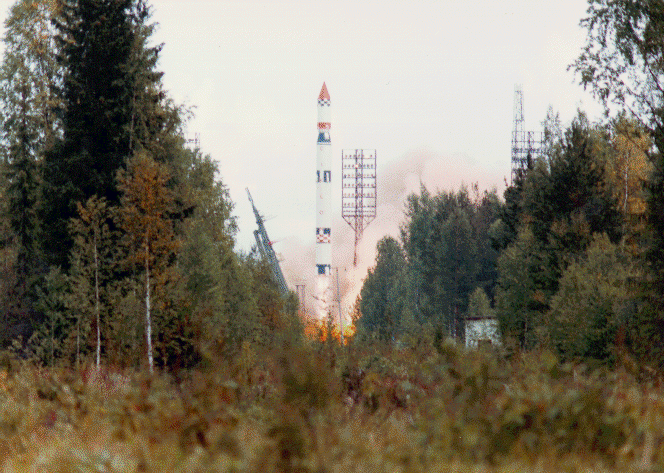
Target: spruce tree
(107, 67)
(28, 128)
(22, 192)
(380, 302)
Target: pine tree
(22, 192)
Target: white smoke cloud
(395, 182)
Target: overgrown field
(323, 408)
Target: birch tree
(149, 238)
(92, 262)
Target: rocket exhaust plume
(323, 207)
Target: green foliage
(565, 197)
(380, 299)
(621, 63)
(232, 297)
(557, 208)
(479, 305)
(149, 238)
(84, 114)
(592, 302)
(578, 179)
(521, 297)
(28, 127)
(106, 68)
(47, 341)
(449, 252)
(434, 407)
(28, 73)
(217, 284)
(93, 263)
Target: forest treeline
(117, 238)
(572, 258)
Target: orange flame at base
(320, 330)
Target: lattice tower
(195, 141)
(526, 145)
(358, 203)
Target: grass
(322, 408)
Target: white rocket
(323, 206)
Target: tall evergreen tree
(108, 72)
(22, 192)
(563, 201)
(449, 253)
(28, 129)
(380, 298)
(524, 287)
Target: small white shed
(481, 331)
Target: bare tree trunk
(626, 177)
(78, 341)
(148, 322)
(52, 339)
(97, 305)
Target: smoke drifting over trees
(396, 182)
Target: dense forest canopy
(118, 239)
(573, 257)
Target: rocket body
(323, 206)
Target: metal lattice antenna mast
(358, 202)
(267, 252)
(526, 145)
(195, 141)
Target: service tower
(323, 207)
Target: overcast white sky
(423, 82)
(409, 78)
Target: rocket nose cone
(324, 95)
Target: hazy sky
(415, 80)
(429, 84)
